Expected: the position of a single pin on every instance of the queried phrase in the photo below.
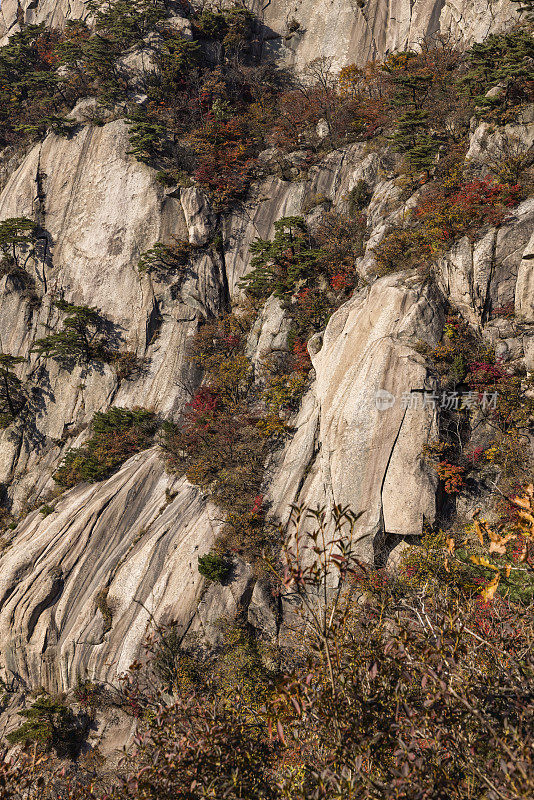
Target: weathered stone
(138, 536)
(198, 216)
(346, 33)
(369, 455)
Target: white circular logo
(384, 400)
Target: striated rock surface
(53, 12)
(351, 32)
(344, 30)
(80, 587)
(363, 426)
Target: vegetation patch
(117, 434)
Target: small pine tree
(412, 139)
(163, 258)
(12, 398)
(117, 434)
(17, 243)
(78, 340)
(126, 21)
(148, 137)
(49, 723)
(279, 265)
(214, 567)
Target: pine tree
(148, 137)
(12, 398)
(411, 136)
(49, 723)
(279, 265)
(126, 21)
(78, 340)
(17, 243)
(163, 258)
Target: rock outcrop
(80, 586)
(349, 31)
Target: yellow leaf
(483, 562)
(450, 545)
(507, 570)
(489, 592)
(527, 517)
(479, 532)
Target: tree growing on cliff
(279, 265)
(49, 723)
(12, 397)
(17, 243)
(79, 339)
(117, 434)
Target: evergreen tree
(126, 22)
(411, 136)
(148, 137)
(78, 340)
(163, 258)
(17, 243)
(12, 398)
(278, 266)
(49, 723)
(501, 59)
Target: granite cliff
(138, 534)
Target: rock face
(101, 210)
(349, 31)
(53, 12)
(96, 569)
(362, 429)
(80, 586)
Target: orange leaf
(489, 592)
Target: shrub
(452, 209)
(17, 244)
(214, 567)
(117, 434)
(102, 604)
(359, 197)
(279, 265)
(49, 723)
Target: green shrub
(12, 395)
(163, 258)
(214, 567)
(17, 243)
(49, 723)
(117, 434)
(359, 197)
(279, 265)
(102, 604)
